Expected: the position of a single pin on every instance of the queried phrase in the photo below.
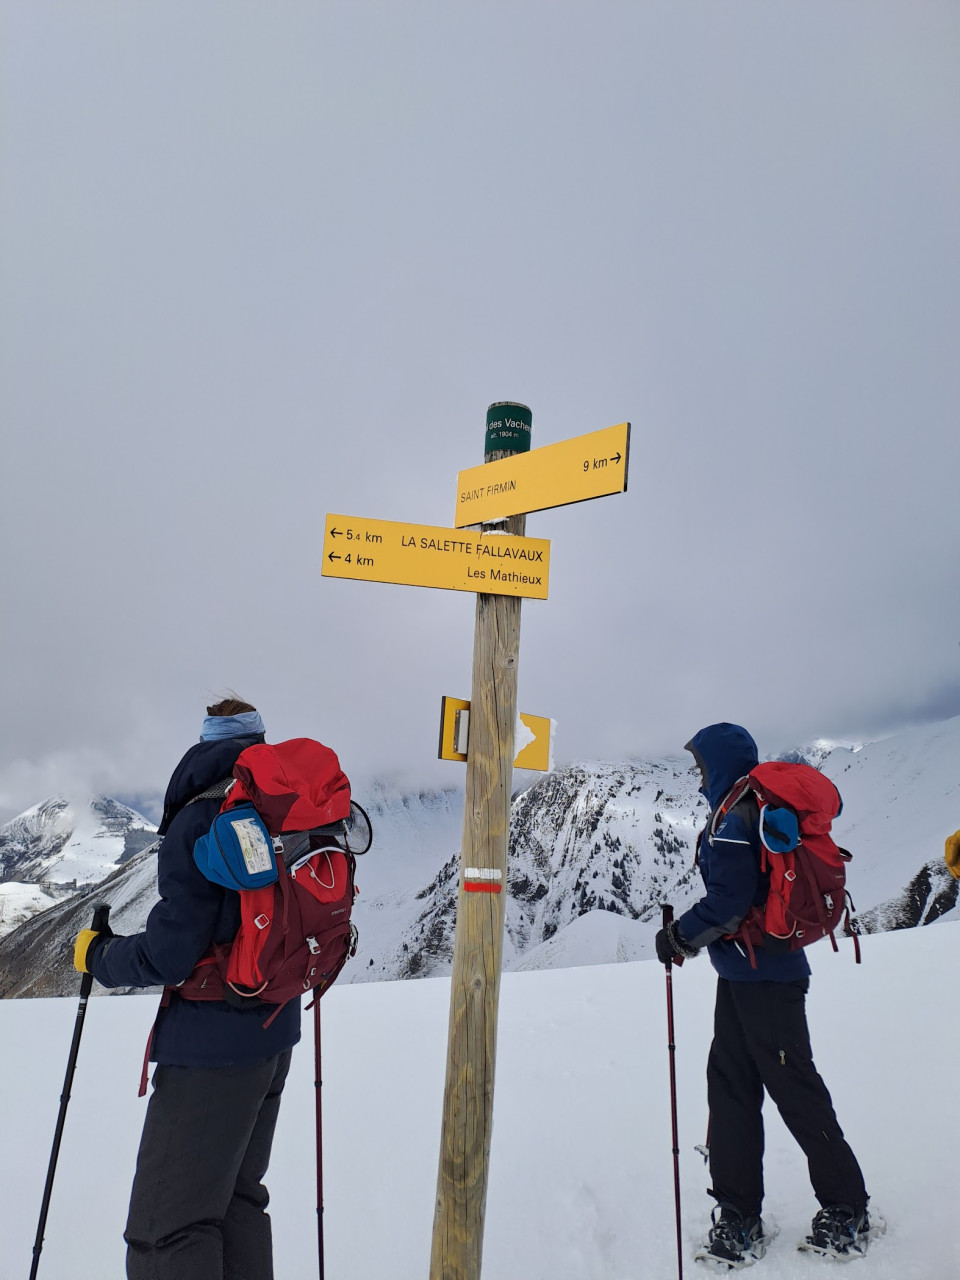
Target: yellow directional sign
(533, 736)
(420, 555)
(536, 733)
(454, 725)
(589, 466)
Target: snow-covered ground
(581, 1174)
(19, 902)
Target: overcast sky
(265, 262)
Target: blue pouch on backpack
(779, 829)
(237, 852)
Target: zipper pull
(783, 1058)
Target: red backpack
(808, 898)
(295, 934)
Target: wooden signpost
(501, 566)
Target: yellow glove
(86, 939)
(951, 854)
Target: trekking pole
(318, 1085)
(101, 913)
(667, 917)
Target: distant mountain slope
(57, 848)
(901, 799)
(36, 958)
(414, 832)
(614, 838)
(58, 842)
(596, 848)
(930, 895)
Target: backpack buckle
(314, 946)
(262, 921)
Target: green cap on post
(508, 428)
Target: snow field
(18, 902)
(581, 1171)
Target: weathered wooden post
(503, 566)
(478, 947)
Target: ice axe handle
(667, 918)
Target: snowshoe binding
(734, 1242)
(840, 1234)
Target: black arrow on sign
(336, 533)
(331, 556)
(617, 458)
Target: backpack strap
(217, 792)
(164, 1001)
(742, 789)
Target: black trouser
(761, 1041)
(197, 1210)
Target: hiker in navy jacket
(761, 1042)
(197, 1209)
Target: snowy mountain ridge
(606, 837)
(58, 841)
(60, 847)
(595, 849)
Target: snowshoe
(734, 1242)
(840, 1234)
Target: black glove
(671, 947)
(666, 951)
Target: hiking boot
(838, 1232)
(733, 1241)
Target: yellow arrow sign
(589, 466)
(420, 555)
(533, 736)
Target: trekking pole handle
(101, 917)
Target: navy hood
(724, 752)
(204, 764)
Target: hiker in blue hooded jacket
(197, 1209)
(761, 1042)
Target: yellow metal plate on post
(420, 555)
(590, 466)
(449, 708)
(535, 751)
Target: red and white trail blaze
(482, 880)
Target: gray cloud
(262, 265)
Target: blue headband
(241, 726)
